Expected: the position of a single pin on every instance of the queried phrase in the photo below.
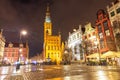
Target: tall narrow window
(118, 10)
(115, 24)
(107, 32)
(105, 25)
(102, 44)
(48, 55)
(51, 47)
(99, 29)
(101, 35)
(112, 14)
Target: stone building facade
(114, 16)
(15, 52)
(74, 44)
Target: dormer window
(10, 45)
(21, 45)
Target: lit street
(65, 72)
(59, 39)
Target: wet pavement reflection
(75, 72)
(63, 72)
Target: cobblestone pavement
(10, 73)
(74, 72)
(62, 72)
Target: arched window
(47, 31)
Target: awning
(94, 55)
(111, 54)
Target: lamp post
(23, 32)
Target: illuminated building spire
(47, 18)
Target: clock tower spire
(47, 23)
(47, 18)
(52, 43)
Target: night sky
(16, 15)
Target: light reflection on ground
(5, 70)
(63, 72)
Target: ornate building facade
(2, 45)
(74, 43)
(114, 15)
(52, 44)
(104, 32)
(89, 40)
(16, 52)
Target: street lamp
(97, 44)
(23, 32)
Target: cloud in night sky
(16, 15)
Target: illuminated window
(101, 35)
(53, 47)
(107, 32)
